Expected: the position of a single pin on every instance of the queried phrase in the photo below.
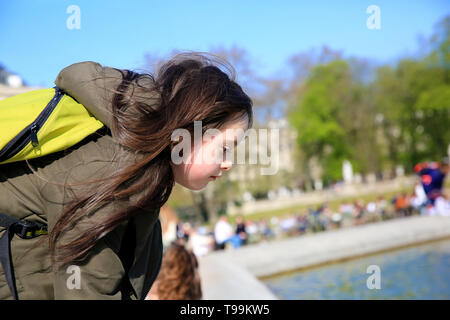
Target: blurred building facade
(285, 161)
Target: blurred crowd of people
(241, 232)
(427, 198)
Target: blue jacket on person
(432, 179)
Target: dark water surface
(421, 272)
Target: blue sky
(36, 44)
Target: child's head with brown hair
(178, 278)
(187, 89)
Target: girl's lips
(215, 177)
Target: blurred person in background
(420, 195)
(223, 232)
(442, 206)
(302, 222)
(432, 175)
(382, 208)
(402, 205)
(418, 205)
(318, 221)
(265, 230)
(187, 230)
(358, 213)
(241, 229)
(288, 224)
(336, 220)
(372, 211)
(180, 231)
(252, 231)
(178, 278)
(346, 211)
(200, 242)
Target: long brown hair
(191, 87)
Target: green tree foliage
(414, 100)
(401, 117)
(333, 119)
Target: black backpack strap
(25, 230)
(126, 255)
(5, 252)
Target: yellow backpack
(40, 122)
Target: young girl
(101, 198)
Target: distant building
(11, 84)
(286, 147)
(10, 79)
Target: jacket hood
(94, 86)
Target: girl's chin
(197, 184)
(197, 187)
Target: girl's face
(200, 170)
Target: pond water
(420, 272)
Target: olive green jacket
(41, 195)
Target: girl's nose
(226, 165)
